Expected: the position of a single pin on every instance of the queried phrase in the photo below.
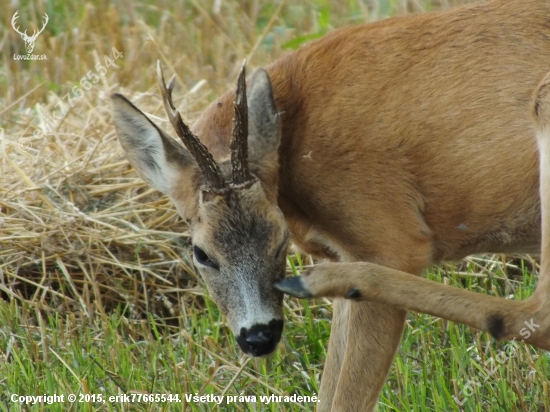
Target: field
(98, 294)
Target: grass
(97, 293)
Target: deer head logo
(29, 40)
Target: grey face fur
(239, 237)
(240, 245)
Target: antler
(47, 19)
(239, 141)
(13, 19)
(205, 161)
(36, 32)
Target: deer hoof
(294, 287)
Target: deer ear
(156, 156)
(264, 122)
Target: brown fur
(408, 142)
(405, 143)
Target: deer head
(29, 40)
(239, 234)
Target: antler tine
(239, 141)
(46, 20)
(203, 157)
(13, 22)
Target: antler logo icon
(29, 40)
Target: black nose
(260, 339)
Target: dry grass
(74, 215)
(80, 233)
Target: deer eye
(202, 258)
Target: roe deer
(400, 143)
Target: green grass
(97, 296)
(51, 354)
